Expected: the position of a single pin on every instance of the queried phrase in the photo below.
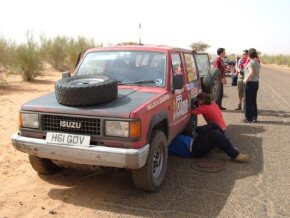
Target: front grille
(89, 126)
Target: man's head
(177, 69)
(221, 52)
(245, 53)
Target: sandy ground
(22, 192)
(13, 164)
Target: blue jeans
(250, 105)
(208, 137)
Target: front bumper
(92, 155)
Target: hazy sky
(232, 24)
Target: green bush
(28, 59)
(276, 59)
(62, 52)
(7, 52)
(78, 46)
(54, 51)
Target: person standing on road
(209, 110)
(219, 64)
(251, 82)
(240, 83)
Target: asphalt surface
(260, 188)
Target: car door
(180, 97)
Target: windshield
(128, 67)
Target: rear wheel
(43, 166)
(212, 83)
(151, 176)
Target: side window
(190, 67)
(176, 64)
(203, 64)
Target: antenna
(140, 43)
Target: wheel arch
(159, 121)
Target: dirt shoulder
(276, 67)
(258, 189)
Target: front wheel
(191, 126)
(43, 166)
(151, 176)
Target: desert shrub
(54, 50)
(28, 59)
(78, 46)
(7, 52)
(276, 59)
(62, 52)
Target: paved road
(258, 189)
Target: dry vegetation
(280, 60)
(27, 59)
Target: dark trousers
(250, 106)
(208, 137)
(219, 100)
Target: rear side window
(203, 64)
(191, 68)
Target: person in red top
(209, 110)
(219, 64)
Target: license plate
(68, 139)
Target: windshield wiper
(136, 82)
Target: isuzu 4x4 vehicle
(121, 108)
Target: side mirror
(178, 81)
(65, 75)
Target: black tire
(151, 176)
(86, 90)
(212, 83)
(190, 127)
(43, 166)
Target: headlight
(29, 120)
(122, 128)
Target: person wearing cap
(251, 86)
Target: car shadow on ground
(186, 192)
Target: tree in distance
(199, 46)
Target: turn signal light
(135, 129)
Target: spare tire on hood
(86, 90)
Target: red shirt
(211, 113)
(219, 64)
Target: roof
(160, 48)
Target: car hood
(127, 101)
